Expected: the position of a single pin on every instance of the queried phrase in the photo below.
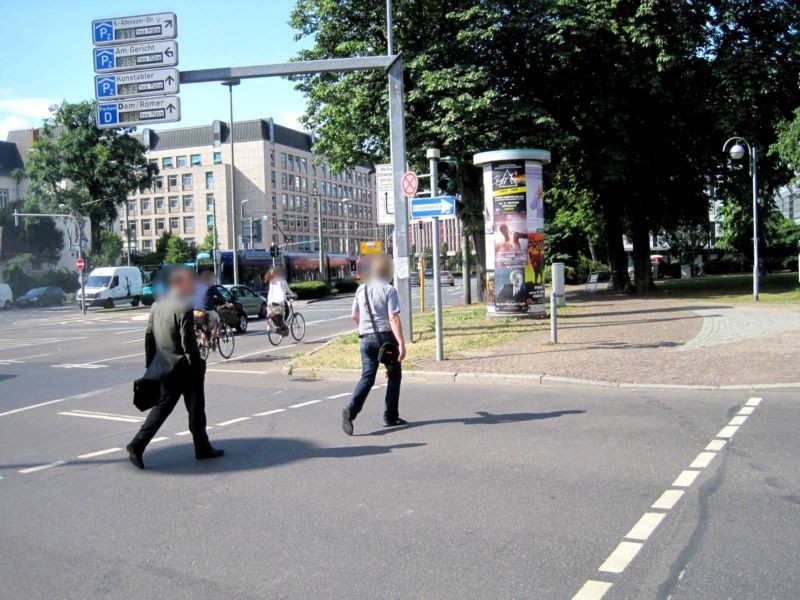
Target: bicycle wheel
(202, 344)
(275, 338)
(226, 341)
(298, 327)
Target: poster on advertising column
(534, 267)
(510, 236)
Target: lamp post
(320, 249)
(735, 147)
(230, 83)
(346, 205)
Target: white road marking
(102, 417)
(270, 412)
(43, 467)
(124, 331)
(136, 341)
(716, 445)
(100, 453)
(78, 366)
(327, 320)
(645, 527)
(236, 371)
(753, 402)
(685, 479)
(14, 343)
(187, 432)
(621, 557)
(159, 439)
(305, 403)
(738, 420)
(232, 421)
(21, 359)
(49, 402)
(747, 410)
(592, 590)
(727, 432)
(276, 348)
(668, 499)
(105, 360)
(335, 396)
(703, 460)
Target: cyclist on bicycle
(208, 299)
(279, 295)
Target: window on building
(166, 162)
(285, 201)
(188, 202)
(272, 178)
(181, 162)
(303, 165)
(209, 202)
(274, 202)
(283, 160)
(304, 184)
(194, 160)
(283, 181)
(146, 226)
(153, 162)
(159, 225)
(210, 222)
(131, 205)
(291, 182)
(272, 158)
(147, 245)
(209, 180)
(186, 179)
(188, 224)
(158, 183)
(173, 203)
(4, 197)
(172, 182)
(160, 204)
(217, 158)
(146, 205)
(291, 163)
(174, 223)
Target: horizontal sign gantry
(155, 82)
(135, 56)
(138, 111)
(157, 26)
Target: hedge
(306, 290)
(347, 285)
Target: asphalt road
(492, 491)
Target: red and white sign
(80, 264)
(409, 183)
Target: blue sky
(46, 52)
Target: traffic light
(273, 250)
(448, 176)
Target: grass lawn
(775, 287)
(466, 329)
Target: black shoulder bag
(389, 351)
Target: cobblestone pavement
(622, 339)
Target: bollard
(557, 273)
(553, 318)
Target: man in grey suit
(173, 358)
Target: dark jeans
(185, 382)
(370, 344)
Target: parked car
(6, 299)
(413, 278)
(106, 286)
(428, 273)
(446, 278)
(42, 296)
(253, 303)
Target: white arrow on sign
(442, 204)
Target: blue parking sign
(106, 87)
(103, 59)
(107, 114)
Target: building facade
(278, 183)
(788, 201)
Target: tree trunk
(642, 269)
(466, 262)
(612, 228)
(480, 263)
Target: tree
(787, 146)
(162, 244)
(18, 273)
(41, 234)
(178, 250)
(88, 170)
(109, 249)
(207, 245)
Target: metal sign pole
(433, 155)
(79, 221)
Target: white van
(6, 300)
(107, 286)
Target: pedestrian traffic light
(448, 176)
(273, 250)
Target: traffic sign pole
(433, 155)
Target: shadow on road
(244, 454)
(483, 418)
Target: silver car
(446, 278)
(253, 303)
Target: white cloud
(21, 113)
(289, 118)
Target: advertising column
(514, 216)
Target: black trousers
(185, 382)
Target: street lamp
(346, 205)
(230, 83)
(320, 249)
(737, 147)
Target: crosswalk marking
(79, 366)
(86, 414)
(16, 343)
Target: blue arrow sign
(437, 206)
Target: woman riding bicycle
(278, 297)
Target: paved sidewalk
(623, 339)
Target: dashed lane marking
(232, 421)
(716, 445)
(747, 410)
(335, 396)
(21, 359)
(703, 460)
(270, 412)
(56, 401)
(753, 402)
(78, 366)
(621, 557)
(163, 438)
(87, 414)
(56, 463)
(645, 527)
(685, 479)
(738, 420)
(100, 453)
(727, 432)
(15, 343)
(592, 590)
(668, 499)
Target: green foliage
(346, 285)
(787, 147)
(42, 234)
(65, 279)
(18, 273)
(307, 290)
(207, 245)
(101, 166)
(108, 249)
(178, 250)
